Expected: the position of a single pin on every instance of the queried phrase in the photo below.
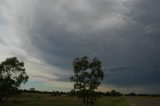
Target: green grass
(48, 100)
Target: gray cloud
(124, 34)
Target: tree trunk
(87, 101)
(84, 100)
(0, 99)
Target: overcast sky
(48, 34)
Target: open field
(48, 100)
(144, 101)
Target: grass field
(48, 100)
(144, 101)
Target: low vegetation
(32, 99)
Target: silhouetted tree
(32, 90)
(72, 93)
(54, 93)
(131, 94)
(115, 93)
(87, 77)
(107, 94)
(12, 74)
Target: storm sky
(48, 34)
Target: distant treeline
(74, 93)
(134, 94)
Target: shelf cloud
(48, 34)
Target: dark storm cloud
(124, 34)
(130, 45)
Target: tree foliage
(12, 74)
(87, 77)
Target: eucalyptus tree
(12, 74)
(88, 75)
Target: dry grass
(48, 100)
